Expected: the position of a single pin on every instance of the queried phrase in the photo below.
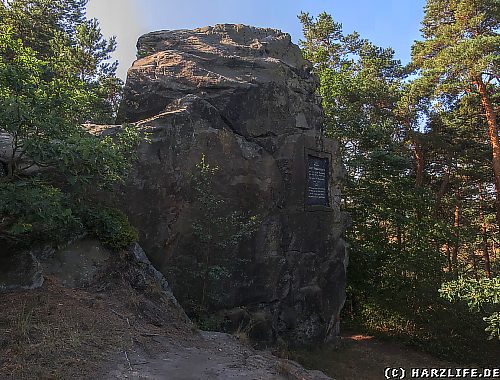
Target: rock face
(20, 271)
(76, 264)
(245, 98)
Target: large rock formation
(245, 98)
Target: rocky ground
(212, 356)
(60, 333)
(121, 323)
(104, 315)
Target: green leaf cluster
(34, 211)
(202, 279)
(55, 78)
(461, 43)
(480, 295)
(110, 226)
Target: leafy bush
(32, 212)
(110, 226)
(54, 80)
(35, 213)
(480, 295)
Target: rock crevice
(246, 99)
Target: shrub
(213, 260)
(32, 212)
(110, 226)
(480, 295)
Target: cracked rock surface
(245, 98)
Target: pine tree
(37, 22)
(58, 28)
(459, 55)
(413, 175)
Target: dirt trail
(213, 356)
(125, 325)
(56, 332)
(221, 356)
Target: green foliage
(447, 331)
(36, 22)
(110, 226)
(215, 226)
(57, 31)
(413, 159)
(54, 77)
(361, 85)
(325, 45)
(482, 295)
(141, 54)
(493, 322)
(217, 231)
(42, 112)
(210, 322)
(461, 42)
(31, 211)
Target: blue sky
(393, 23)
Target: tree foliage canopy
(461, 43)
(419, 155)
(54, 78)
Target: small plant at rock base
(210, 322)
(217, 231)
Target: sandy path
(214, 356)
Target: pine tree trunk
(484, 233)
(420, 162)
(493, 135)
(456, 245)
(418, 152)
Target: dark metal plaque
(317, 181)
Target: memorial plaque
(317, 181)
